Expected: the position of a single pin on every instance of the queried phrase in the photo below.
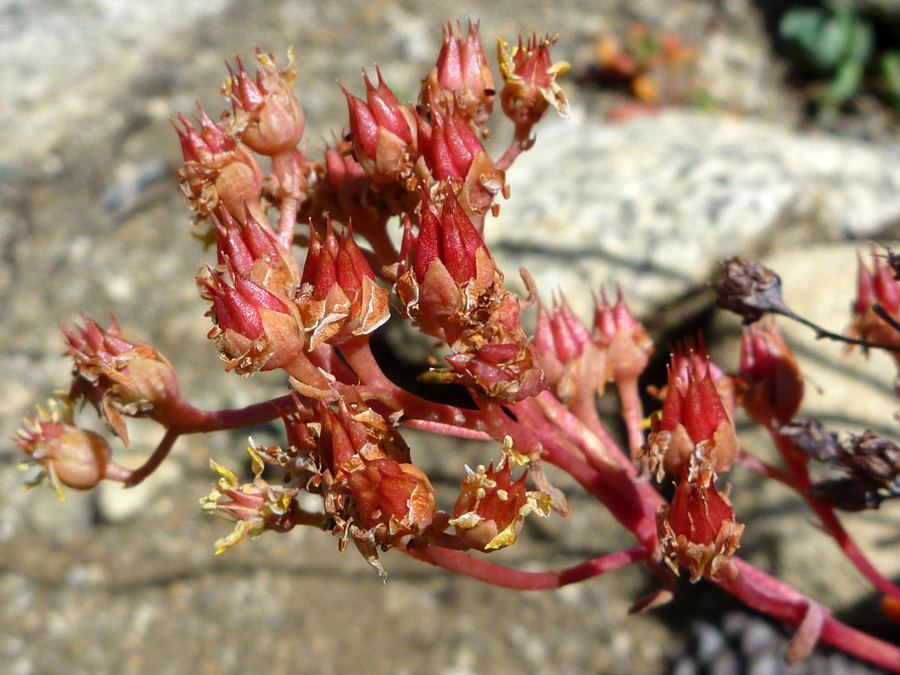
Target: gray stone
(653, 204)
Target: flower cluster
(344, 465)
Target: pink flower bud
(572, 362)
(66, 454)
(382, 131)
(255, 329)
(218, 170)
(461, 77)
(772, 387)
(623, 337)
(267, 115)
(530, 82)
(119, 377)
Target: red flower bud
(772, 387)
(394, 500)
(698, 530)
(693, 429)
(267, 115)
(462, 75)
(255, 253)
(881, 288)
(218, 170)
(255, 329)
(339, 296)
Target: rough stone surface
(653, 204)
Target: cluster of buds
(693, 439)
(449, 285)
(577, 360)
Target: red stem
(507, 577)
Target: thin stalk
(507, 577)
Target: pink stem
(595, 450)
(506, 577)
(632, 412)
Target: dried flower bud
(693, 428)
(698, 531)
(770, 380)
(218, 170)
(256, 506)
(394, 500)
(461, 76)
(255, 329)
(267, 115)
(530, 82)
(750, 290)
(339, 296)
(66, 454)
(871, 462)
(119, 377)
(383, 132)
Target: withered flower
(750, 290)
(66, 454)
(120, 377)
